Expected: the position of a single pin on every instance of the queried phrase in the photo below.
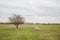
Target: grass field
(47, 32)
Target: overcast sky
(35, 11)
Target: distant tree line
(32, 23)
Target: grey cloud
(35, 9)
(31, 8)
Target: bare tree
(16, 19)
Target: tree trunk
(16, 26)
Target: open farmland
(26, 32)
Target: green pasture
(26, 32)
